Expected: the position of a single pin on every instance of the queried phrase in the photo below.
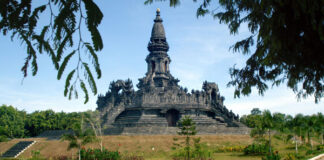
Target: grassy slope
(129, 145)
(142, 146)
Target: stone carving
(160, 102)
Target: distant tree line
(302, 129)
(16, 123)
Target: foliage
(62, 26)
(94, 120)
(187, 128)
(19, 124)
(98, 154)
(11, 122)
(236, 148)
(256, 111)
(272, 156)
(79, 138)
(132, 157)
(40, 121)
(36, 155)
(185, 149)
(288, 37)
(320, 147)
(256, 149)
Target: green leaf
(67, 82)
(94, 17)
(62, 46)
(91, 80)
(33, 18)
(70, 92)
(50, 51)
(41, 36)
(34, 66)
(63, 65)
(95, 60)
(83, 87)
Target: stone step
(17, 149)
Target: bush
(230, 149)
(320, 147)
(3, 138)
(97, 154)
(272, 156)
(36, 155)
(293, 156)
(256, 149)
(199, 151)
(61, 158)
(133, 158)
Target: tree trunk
(322, 138)
(269, 141)
(101, 143)
(296, 147)
(188, 147)
(79, 154)
(311, 142)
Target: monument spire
(158, 41)
(158, 72)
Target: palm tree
(320, 126)
(79, 137)
(268, 124)
(310, 128)
(296, 125)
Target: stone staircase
(113, 113)
(17, 149)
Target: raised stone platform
(157, 130)
(160, 102)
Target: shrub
(97, 154)
(61, 158)
(272, 156)
(290, 156)
(230, 149)
(133, 158)
(293, 156)
(3, 138)
(256, 149)
(36, 155)
(199, 151)
(320, 147)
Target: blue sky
(199, 50)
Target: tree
(311, 122)
(320, 126)
(267, 121)
(296, 125)
(94, 119)
(79, 137)
(256, 111)
(11, 122)
(64, 20)
(187, 128)
(289, 40)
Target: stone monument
(159, 103)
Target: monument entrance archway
(172, 117)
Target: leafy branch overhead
(288, 37)
(61, 38)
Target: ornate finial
(158, 12)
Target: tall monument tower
(158, 71)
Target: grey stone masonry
(159, 103)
